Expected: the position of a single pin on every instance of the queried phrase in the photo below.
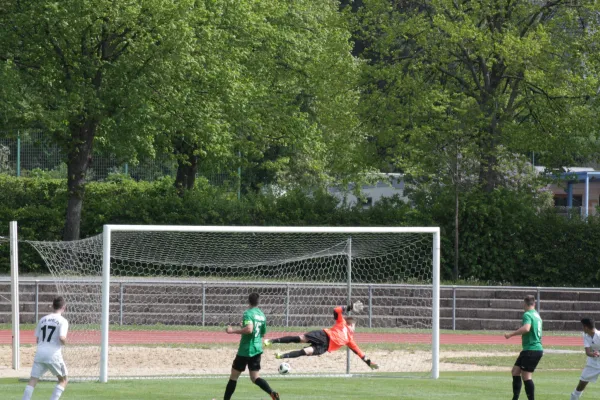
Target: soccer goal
(151, 301)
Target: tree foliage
(496, 76)
(265, 84)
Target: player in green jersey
(254, 327)
(531, 339)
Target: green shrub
(503, 237)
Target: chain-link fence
(32, 153)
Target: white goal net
(169, 292)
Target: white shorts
(590, 374)
(55, 368)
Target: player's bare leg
(578, 390)
(286, 339)
(60, 388)
(29, 388)
(233, 377)
(263, 384)
(528, 383)
(307, 351)
(517, 382)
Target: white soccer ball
(284, 368)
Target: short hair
(529, 300)
(253, 299)
(588, 323)
(58, 303)
(350, 320)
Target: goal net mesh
(172, 293)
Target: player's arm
(591, 353)
(356, 350)
(519, 332)
(64, 328)
(338, 314)
(247, 328)
(37, 333)
(356, 306)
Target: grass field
(550, 385)
(557, 374)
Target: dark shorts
(240, 363)
(319, 341)
(529, 359)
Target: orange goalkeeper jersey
(341, 335)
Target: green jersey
(532, 340)
(251, 343)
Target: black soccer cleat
(275, 396)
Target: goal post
(108, 257)
(153, 301)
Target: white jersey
(48, 333)
(592, 342)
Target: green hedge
(38, 204)
(504, 238)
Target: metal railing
(32, 153)
(122, 284)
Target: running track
(204, 337)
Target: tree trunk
(488, 175)
(79, 159)
(187, 166)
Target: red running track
(165, 337)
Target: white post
(349, 297)
(586, 200)
(435, 308)
(105, 303)
(14, 286)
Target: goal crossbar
(106, 268)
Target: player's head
(588, 325)
(529, 302)
(59, 304)
(351, 322)
(253, 299)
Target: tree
(290, 109)
(93, 68)
(515, 76)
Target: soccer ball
(284, 368)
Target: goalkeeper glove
(370, 363)
(357, 306)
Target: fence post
(453, 307)
(539, 300)
(203, 302)
(126, 169)
(121, 303)
(287, 304)
(37, 301)
(19, 154)
(370, 306)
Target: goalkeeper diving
(327, 340)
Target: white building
(388, 185)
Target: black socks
(529, 389)
(230, 389)
(294, 354)
(261, 383)
(287, 339)
(516, 387)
